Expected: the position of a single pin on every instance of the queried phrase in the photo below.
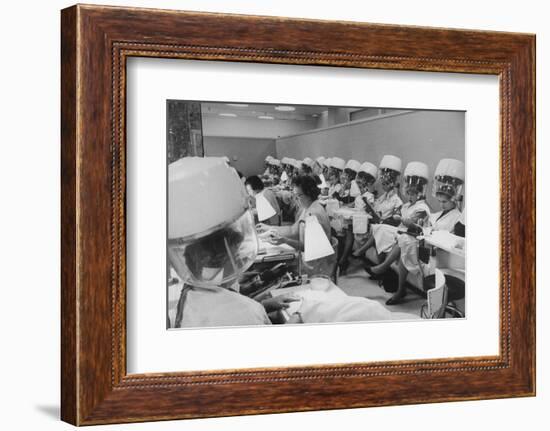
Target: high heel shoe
(373, 276)
(398, 298)
(343, 267)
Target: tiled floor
(356, 282)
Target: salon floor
(356, 282)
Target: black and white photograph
(275, 215)
(306, 214)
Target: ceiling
(299, 113)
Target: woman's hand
(417, 215)
(407, 222)
(262, 228)
(280, 302)
(276, 239)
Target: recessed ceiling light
(227, 114)
(314, 115)
(265, 117)
(237, 105)
(285, 108)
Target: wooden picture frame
(95, 43)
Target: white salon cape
(385, 235)
(360, 238)
(446, 222)
(318, 210)
(360, 200)
(344, 191)
(335, 306)
(334, 189)
(284, 178)
(217, 306)
(354, 189)
(409, 244)
(269, 195)
(387, 204)
(323, 265)
(323, 184)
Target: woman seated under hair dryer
(388, 203)
(335, 172)
(267, 166)
(275, 171)
(365, 180)
(298, 170)
(319, 165)
(349, 188)
(307, 165)
(346, 196)
(317, 169)
(447, 188)
(211, 242)
(326, 167)
(311, 167)
(384, 236)
(285, 171)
